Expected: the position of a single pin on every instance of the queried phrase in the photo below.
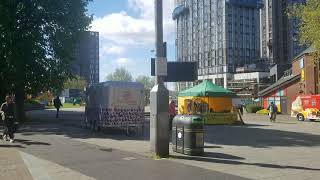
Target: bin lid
(188, 119)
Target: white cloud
(146, 10)
(112, 50)
(123, 61)
(121, 32)
(122, 28)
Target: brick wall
(292, 93)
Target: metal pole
(159, 102)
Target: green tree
(308, 14)
(75, 82)
(148, 83)
(37, 40)
(120, 74)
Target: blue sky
(126, 30)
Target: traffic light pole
(159, 102)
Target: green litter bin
(188, 134)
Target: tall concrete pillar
(159, 102)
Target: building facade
(279, 34)
(221, 35)
(86, 62)
(301, 79)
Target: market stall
(209, 100)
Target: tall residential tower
(221, 35)
(279, 33)
(86, 62)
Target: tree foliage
(308, 14)
(120, 74)
(37, 41)
(148, 83)
(76, 82)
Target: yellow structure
(188, 104)
(209, 100)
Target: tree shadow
(216, 136)
(11, 146)
(77, 132)
(258, 137)
(223, 160)
(252, 135)
(30, 142)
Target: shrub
(263, 111)
(32, 101)
(252, 108)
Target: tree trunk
(19, 97)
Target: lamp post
(159, 116)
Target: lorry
(115, 104)
(306, 107)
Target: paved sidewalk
(287, 149)
(41, 169)
(12, 166)
(50, 156)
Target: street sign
(161, 66)
(178, 71)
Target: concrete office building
(279, 34)
(221, 35)
(86, 62)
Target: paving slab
(12, 166)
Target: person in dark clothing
(57, 104)
(172, 113)
(240, 106)
(9, 118)
(273, 112)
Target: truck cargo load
(115, 104)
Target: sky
(126, 29)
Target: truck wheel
(300, 117)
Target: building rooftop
(309, 50)
(282, 82)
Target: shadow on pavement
(10, 146)
(29, 142)
(252, 135)
(221, 156)
(257, 137)
(222, 160)
(209, 147)
(81, 133)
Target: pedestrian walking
(272, 112)
(8, 109)
(172, 113)
(57, 104)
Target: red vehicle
(310, 101)
(306, 107)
